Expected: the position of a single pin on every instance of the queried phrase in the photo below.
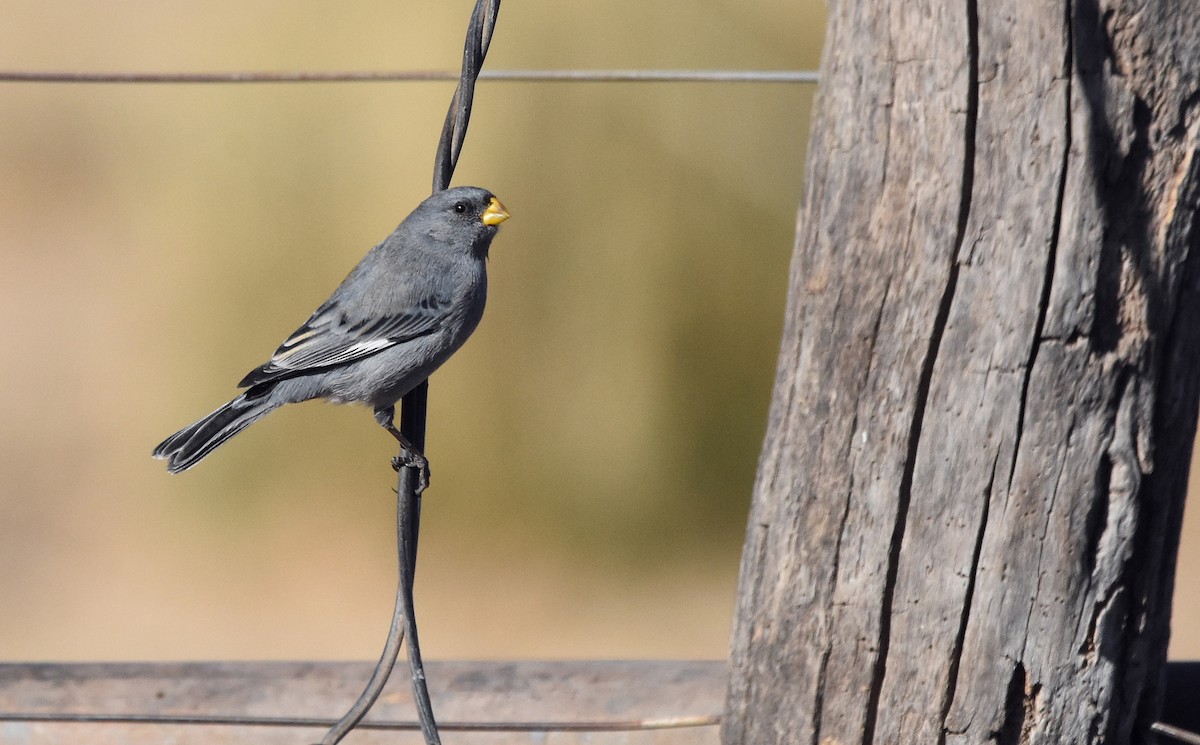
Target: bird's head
(465, 217)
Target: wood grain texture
(967, 508)
(479, 692)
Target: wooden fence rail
(479, 703)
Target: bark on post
(967, 509)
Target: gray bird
(408, 305)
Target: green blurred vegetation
(593, 446)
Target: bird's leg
(409, 455)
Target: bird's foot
(412, 459)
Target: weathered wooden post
(967, 509)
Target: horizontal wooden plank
(268, 700)
(464, 693)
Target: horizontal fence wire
(385, 76)
(1176, 733)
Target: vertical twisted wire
(412, 424)
(454, 131)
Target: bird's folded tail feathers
(190, 445)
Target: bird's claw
(410, 459)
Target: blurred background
(593, 446)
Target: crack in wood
(1051, 502)
(1052, 249)
(969, 596)
(921, 402)
(1014, 709)
(818, 704)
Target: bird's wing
(334, 337)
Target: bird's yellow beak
(495, 213)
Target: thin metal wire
(414, 407)
(1176, 733)
(391, 648)
(628, 725)
(454, 131)
(375, 76)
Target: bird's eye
(460, 207)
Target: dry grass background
(593, 445)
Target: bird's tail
(190, 445)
